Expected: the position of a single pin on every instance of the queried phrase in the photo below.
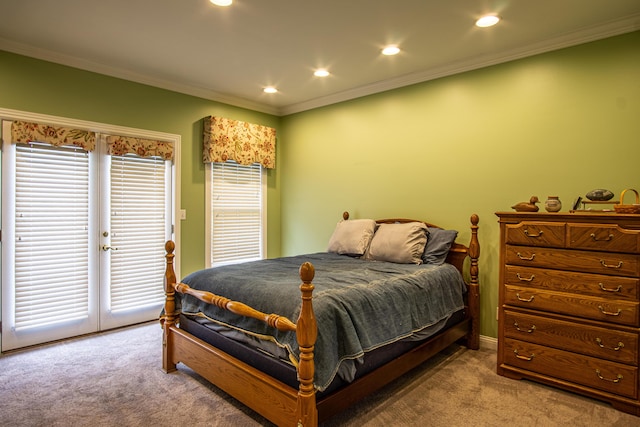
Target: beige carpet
(114, 379)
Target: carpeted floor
(114, 379)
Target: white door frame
(8, 114)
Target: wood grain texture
(618, 264)
(569, 303)
(600, 285)
(617, 345)
(616, 378)
(607, 310)
(278, 402)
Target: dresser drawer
(600, 374)
(588, 307)
(602, 237)
(565, 259)
(599, 285)
(606, 343)
(535, 233)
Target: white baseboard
(488, 343)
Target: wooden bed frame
(282, 404)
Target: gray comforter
(359, 305)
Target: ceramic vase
(553, 204)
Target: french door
(83, 234)
(135, 222)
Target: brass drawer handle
(607, 239)
(604, 264)
(616, 380)
(526, 232)
(609, 313)
(527, 258)
(533, 328)
(610, 290)
(524, 279)
(599, 342)
(522, 299)
(527, 358)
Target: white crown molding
(585, 35)
(70, 61)
(609, 29)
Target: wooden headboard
(458, 252)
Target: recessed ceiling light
(391, 50)
(222, 2)
(270, 89)
(321, 72)
(488, 21)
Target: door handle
(108, 248)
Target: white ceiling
(230, 54)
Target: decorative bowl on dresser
(568, 303)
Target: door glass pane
(139, 206)
(51, 235)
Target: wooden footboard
(281, 404)
(274, 400)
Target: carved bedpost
(473, 340)
(306, 333)
(169, 318)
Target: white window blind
(138, 231)
(51, 235)
(237, 213)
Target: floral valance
(246, 143)
(121, 145)
(25, 132)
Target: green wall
(560, 123)
(41, 87)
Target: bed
(378, 307)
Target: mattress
(359, 306)
(285, 371)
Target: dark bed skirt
(285, 372)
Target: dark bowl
(599, 195)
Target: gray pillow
(399, 243)
(352, 237)
(439, 242)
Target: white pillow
(352, 236)
(400, 243)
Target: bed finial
(473, 341)
(307, 272)
(474, 246)
(168, 320)
(345, 215)
(306, 333)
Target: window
(236, 213)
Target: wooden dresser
(569, 303)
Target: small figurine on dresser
(529, 206)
